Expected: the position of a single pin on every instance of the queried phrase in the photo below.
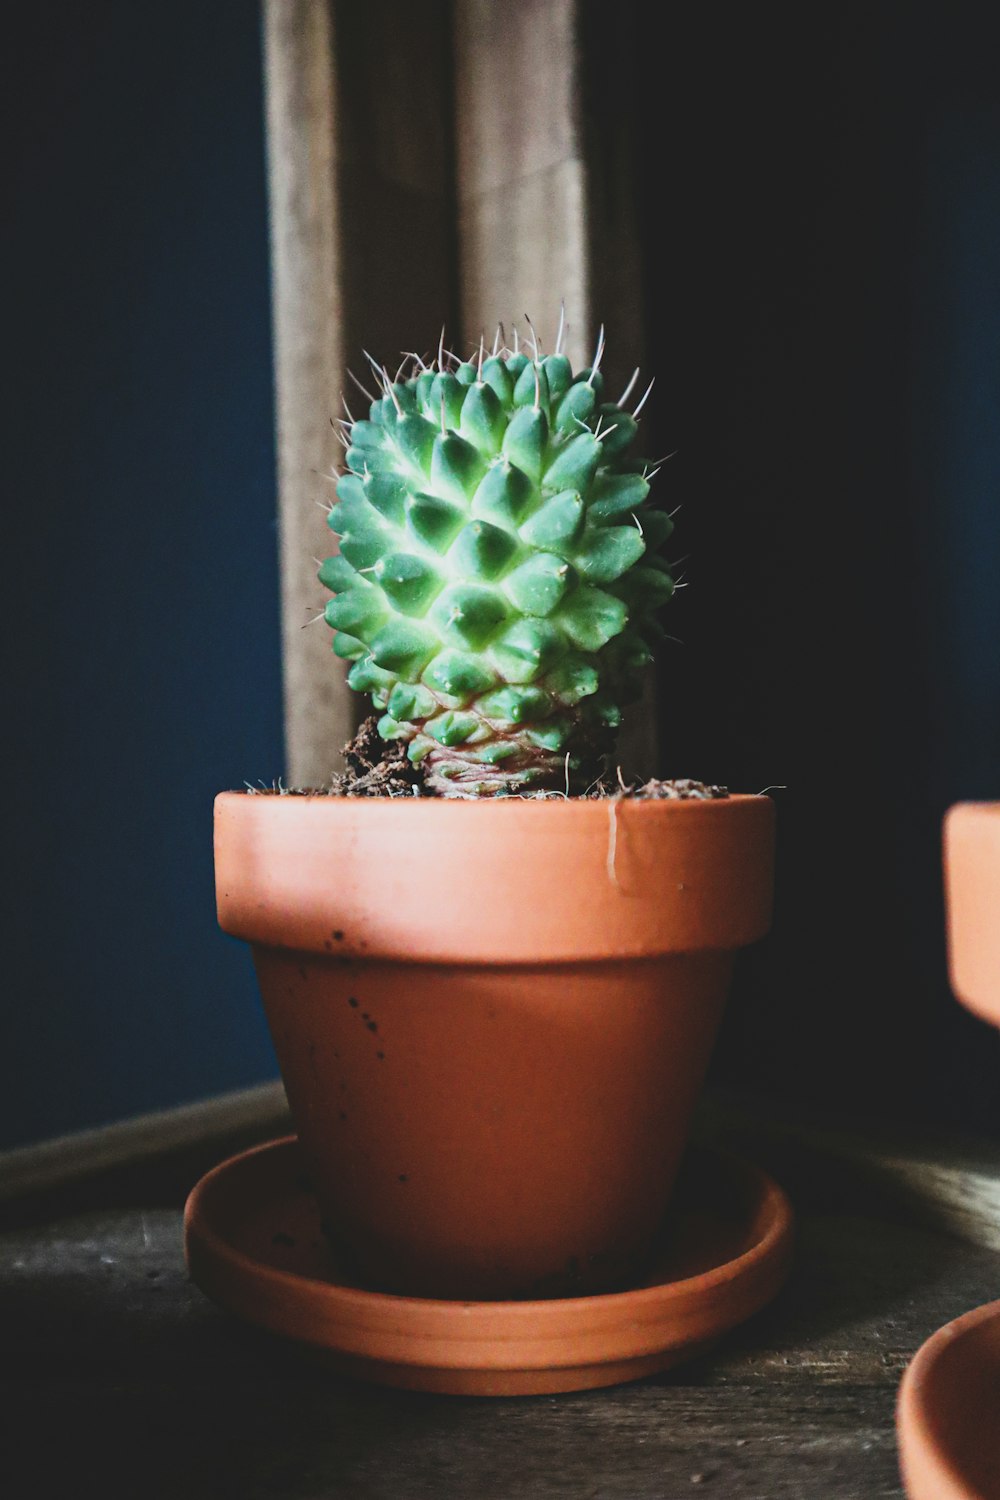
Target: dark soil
(655, 790)
(379, 768)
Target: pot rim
(540, 881)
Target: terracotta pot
(949, 1439)
(972, 904)
(493, 1019)
(947, 1415)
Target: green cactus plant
(499, 574)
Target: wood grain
(358, 133)
(137, 1143)
(307, 296)
(522, 199)
(547, 198)
(939, 1180)
(157, 1392)
(436, 165)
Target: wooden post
(458, 165)
(358, 132)
(546, 197)
(307, 286)
(521, 174)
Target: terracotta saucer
(254, 1244)
(949, 1435)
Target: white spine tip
(644, 398)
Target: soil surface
(380, 768)
(377, 767)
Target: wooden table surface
(121, 1380)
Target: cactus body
(498, 575)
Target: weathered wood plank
(522, 195)
(144, 1140)
(309, 355)
(108, 1342)
(939, 1180)
(149, 1385)
(358, 136)
(384, 203)
(547, 210)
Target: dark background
(141, 571)
(821, 241)
(822, 246)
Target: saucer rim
(483, 1335)
(773, 1199)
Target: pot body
(493, 1021)
(946, 1408)
(946, 1411)
(972, 905)
(493, 1129)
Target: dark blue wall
(140, 551)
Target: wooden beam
(208, 1123)
(936, 1178)
(359, 154)
(521, 172)
(456, 165)
(307, 288)
(547, 208)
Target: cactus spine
(498, 572)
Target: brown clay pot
(972, 905)
(493, 1019)
(946, 1416)
(947, 1412)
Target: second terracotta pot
(949, 1441)
(972, 905)
(493, 1020)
